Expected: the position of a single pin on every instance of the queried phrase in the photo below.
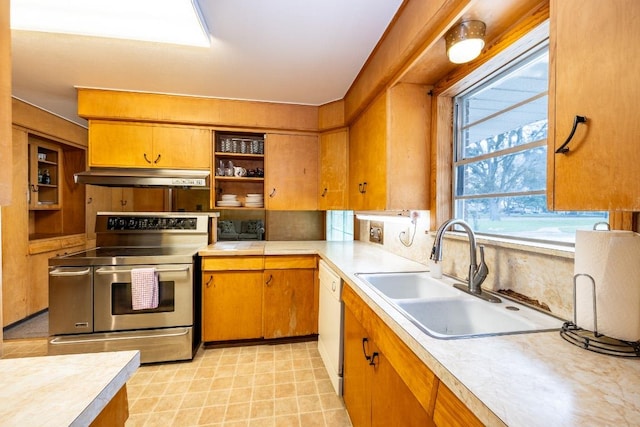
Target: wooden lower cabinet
(232, 305)
(231, 298)
(451, 412)
(290, 298)
(385, 383)
(374, 393)
(257, 297)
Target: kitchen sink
(443, 312)
(408, 285)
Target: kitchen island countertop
(68, 390)
(527, 380)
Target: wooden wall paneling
(39, 121)
(331, 115)
(415, 22)
(150, 107)
(441, 161)
(6, 173)
(15, 235)
(73, 195)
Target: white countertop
(527, 380)
(68, 390)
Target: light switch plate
(376, 232)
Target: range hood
(133, 177)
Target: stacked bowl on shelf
(229, 200)
(254, 200)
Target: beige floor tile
(287, 421)
(286, 406)
(237, 412)
(263, 392)
(262, 422)
(285, 390)
(194, 400)
(306, 388)
(262, 409)
(337, 418)
(309, 403)
(212, 414)
(312, 419)
(240, 395)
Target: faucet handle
(483, 270)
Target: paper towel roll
(612, 258)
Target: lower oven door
(113, 308)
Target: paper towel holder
(592, 340)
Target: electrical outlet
(376, 232)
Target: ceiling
(290, 51)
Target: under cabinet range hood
(132, 177)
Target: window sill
(550, 249)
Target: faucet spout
(477, 273)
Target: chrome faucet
(477, 274)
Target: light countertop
(68, 390)
(527, 380)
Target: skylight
(165, 21)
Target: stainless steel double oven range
(90, 302)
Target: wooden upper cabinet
(389, 151)
(291, 172)
(181, 147)
(122, 144)
(334, 153)
(368, 160)
(594, 62)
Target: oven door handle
(89, 339)
(159, 270)
(57, 272)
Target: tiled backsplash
(543, 274)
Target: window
(339, 225)
(500, 157)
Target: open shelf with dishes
(238, 165)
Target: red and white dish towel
(144, 288)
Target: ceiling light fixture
(465, 41)
(164, 21)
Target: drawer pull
(563, 149)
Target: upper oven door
(113, 308)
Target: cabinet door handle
(123, 202)
(364, 350)
(90, 200)
(372, 362)
(268, 282)
(146, 159)
(209, 282)
(563, 149)
(34, 188)
(273, 193)
(324, 193)
(155, 162)
(362, 187)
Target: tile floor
(266, 385)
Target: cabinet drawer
(225, 263)
(289, 261)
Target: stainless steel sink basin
(441, 311)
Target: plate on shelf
(253, 205)
(229, 197)
(230, 203)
